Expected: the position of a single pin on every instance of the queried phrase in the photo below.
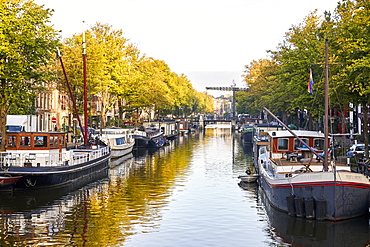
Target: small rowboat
(249, 178)
(8, 181)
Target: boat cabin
(35, 140)
(283, 143)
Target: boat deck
(284, 165)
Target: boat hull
(326, 195)
(146, 142)
(119, 152)
(141, 141)
(43, 177)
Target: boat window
(283, 144)
(40, 141)
(25, 141)
(56, 141)
(12, 141)
(319, 144)
(120, 141)
(51, 141)
(298, 144)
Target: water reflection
(37, 217)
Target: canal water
(186, 194)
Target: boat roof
(300, 133)
(113, 131)
(35, 133)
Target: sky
(210, 41)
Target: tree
(118, 74)
(303, 46)
(351, 27)
(106, 65)
(28, 44)
(260, 77)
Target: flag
(310, 83)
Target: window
(120, 141)
(283, 144)
(25, 141)
(12, 141)
(298, 144)
(319, 144)
(56, 141)
(40, 141)
(51, 141)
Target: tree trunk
(309, 119)
(296, 116)
(3, 113)
(120, 109)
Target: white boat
(120, 140)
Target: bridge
(233, 89)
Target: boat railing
(85, 155)
(8, 159)
(140, 133)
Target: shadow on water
(242, 155)
(248, 149)
(144, 151)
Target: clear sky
(210, 41)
